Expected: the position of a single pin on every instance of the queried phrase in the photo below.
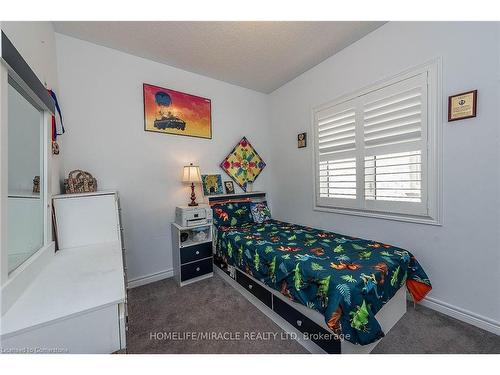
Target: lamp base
(193, 197)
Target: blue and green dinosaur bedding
(346, 279)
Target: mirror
(25, 223)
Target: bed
(355, 286)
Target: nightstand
(192, 253)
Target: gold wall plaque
(462, 106)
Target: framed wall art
(229, 187)
(462, 106)
(212, 184)
(173, 112)
(302, 140)
(243, 164)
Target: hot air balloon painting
(173, 112)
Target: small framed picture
(302, 140)
(462, 106)
(229, 187)
(212, 184)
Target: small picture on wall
(462, 106)
(229, 186)
(212, 184)
(173, 112)
(302, 140)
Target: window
(376, 150)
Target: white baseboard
(151, 278)
(464, 315)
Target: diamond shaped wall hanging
(243, 164)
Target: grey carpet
(214, 308)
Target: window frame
(433, 187)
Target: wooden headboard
(257, 196)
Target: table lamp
(191, 174)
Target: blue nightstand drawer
(196, 252)
(196, 269)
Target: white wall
(101, 93)
(462, 257)
(36, 43)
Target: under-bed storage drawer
(196, 252)
(196, 269)
(316, 333)
(257, 290)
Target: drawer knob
(197, 269)
(250, 286)
(299, 323)
(197, 252)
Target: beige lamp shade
(191, 173)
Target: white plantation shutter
(371, 150)
(336, 145)
(336, 131)
(338, 178)
(394, 177)
(394, 120)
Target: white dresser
(77, 304)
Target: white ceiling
(258, 55)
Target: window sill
(381, 215)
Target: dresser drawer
(257, 290)
(196, 252)
(195, 269)
(321, 337)
(93, 332)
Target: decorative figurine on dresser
(192, 244)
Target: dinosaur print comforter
(346, 279)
